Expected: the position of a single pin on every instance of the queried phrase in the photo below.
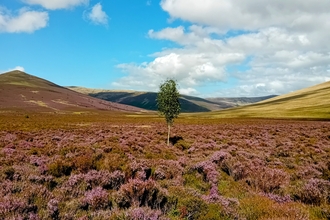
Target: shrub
(260, 207)
(143, 213)
(209, 171)
(183, 145)
(60, 168)
(52, 208)
(113, 161)
(314, 191)
(10, 207)
(141, 193)
(137, 213)
(219, 156)
(105, 179)
(268, 180)
(191, 207)
(195, 180)
(84, 163)
(96, 199)
(277, 198)
(236, 169)
(77, 184)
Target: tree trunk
(168, 134)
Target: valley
(67, 155)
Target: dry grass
(309, 103)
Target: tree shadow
(175, 139)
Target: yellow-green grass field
(309, 103)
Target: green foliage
(195, 181)
(214, 212)
(168, 101)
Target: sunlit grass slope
(23, 79)
(309, 103)
(22, 91)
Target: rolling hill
(239, 101)
(147, 100)
(19, 90)
(310, 103)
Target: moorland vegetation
(108, 165)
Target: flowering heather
(268, 180)
(141, 193)
(278, 198)
(52, 207)
(209, 170)
(315, 191)
(71, 166)
(96, 199)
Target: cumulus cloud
(249, 15)
(20, 68)
(24, 21)
(97, 15)
(188, 91)
(57, 4)
(189, 69)
(267, 48)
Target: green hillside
(147, 100)
(310, 103)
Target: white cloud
(57, 4)
(25, 21)
(249, 15)
(189, 69)
(271, 47)
(188, 91)
(97, 15)
(20, 68)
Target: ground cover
(116, 166)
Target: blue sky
(211, 47)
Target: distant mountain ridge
(19, 90)
(147, 100)
(241, 100)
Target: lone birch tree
(168, 103)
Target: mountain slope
(238, 101)
(19, 90)
(311, 102)
(147, 100)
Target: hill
(147, 100)
(19, 90)
(239, 101)
(312, 102)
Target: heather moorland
(108, 165)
